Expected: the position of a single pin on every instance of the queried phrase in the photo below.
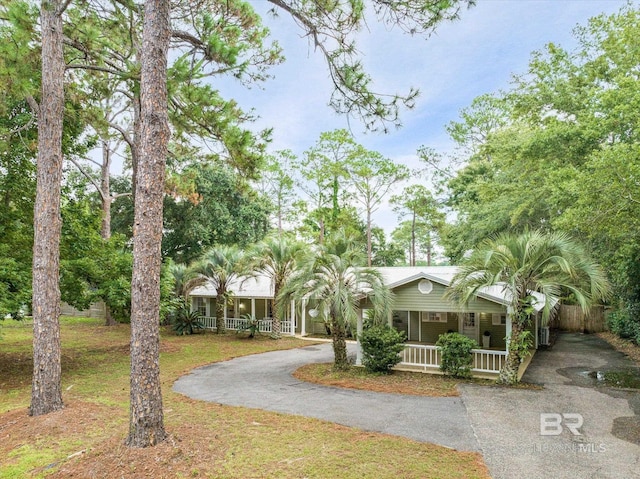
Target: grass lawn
(206, 440)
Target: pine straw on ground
(623, 345)
(398, 382)
(86, 438)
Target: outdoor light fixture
(313, 313)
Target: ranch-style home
(419, 310)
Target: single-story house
(419, 310)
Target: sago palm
(551, 264)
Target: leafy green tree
(385, 253)
(324, 171)
(220, 267)
(277, 185)
(372, 177)
(425, 218)
(334, 279)
(525, 264)
(276, 257)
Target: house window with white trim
(433, 317)
(499, 319)
(201, 306)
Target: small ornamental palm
(219, 267)
(551, 264)
(336, 282)
(276, 257)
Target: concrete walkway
(264, 381)
(507, 421)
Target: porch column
(253, 308)
(207, 306)
(508, 328)
(358, 333)
(292, 319)
(419, 326)
(409, 327)
(303, 326)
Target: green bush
(186, 321)
(456, 354)
(624, 325)
(381, 347)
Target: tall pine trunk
(105, 227)
(146, 426)
(46, 391)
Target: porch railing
(234, 324)
(428, 356)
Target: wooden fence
(571, 318)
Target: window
(433, 317)
(425, 286)
(469, 320)
(201, 306)
(499, 319)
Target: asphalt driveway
(504, 424)
(264, 381)
(507, 422)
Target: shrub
(186, 321)
(624, 325)
(251, 325)
(456, 354)
(381, 347)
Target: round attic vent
(425, 286)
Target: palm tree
(276, 257)
(185, 279)
(551, 264)
(219, 267)
(334, 279)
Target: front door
(468, 325)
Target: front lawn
(206, 440)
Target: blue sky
(476, 54)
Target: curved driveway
(264, 381)
(502, 423)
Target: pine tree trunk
(509, 372)
(146, 425)
(46, 391)
(105, 186)
(369, 252)
(105, 227)
(413, 240)
(338, 334)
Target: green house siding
(498, 332)
(408, 298)
(431, 331)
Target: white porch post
(207, 306)
(292, 319)
(303, 326)
(408, 327)
(358, 345)
(253, 308)
(508, 328)
(419, 326)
